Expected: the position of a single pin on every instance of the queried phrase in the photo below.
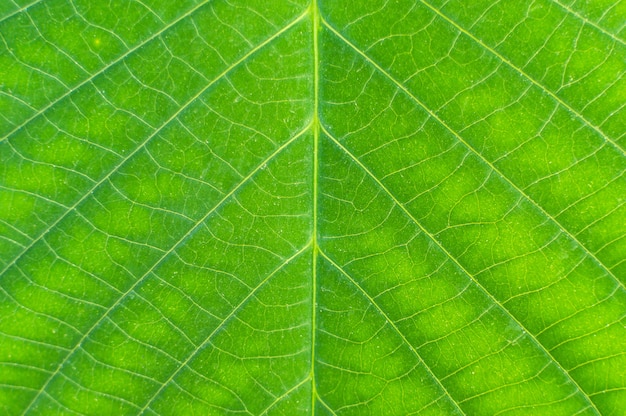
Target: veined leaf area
(332, 208)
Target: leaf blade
(243, 207)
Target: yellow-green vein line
(316, 134)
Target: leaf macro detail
(312, 207)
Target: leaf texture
(331, 208)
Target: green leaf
(327, 207)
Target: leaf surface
(333, 208)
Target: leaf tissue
(252, 207)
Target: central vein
(316, 132)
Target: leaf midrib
(314, 10)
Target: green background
(283, 207)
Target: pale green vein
(20, 10)
(64, 408)
(56, 47)
(29, 66)
(589, 22)
(41, 344)
(39, 314)
(34, 195)
(285, 395)
(460, 267)
(160, 260)
(10, 241)
(120, 58)
(173, 117)
(326, 406)
(201, 400)
(104, 29)
(504, 386)
(157, 392)
(432, 114)
(537, 408)
(610, 390)
(222, 324)
(315, 251)
(525, 75)
(395, 328)
(77, 387)
(18, 99)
